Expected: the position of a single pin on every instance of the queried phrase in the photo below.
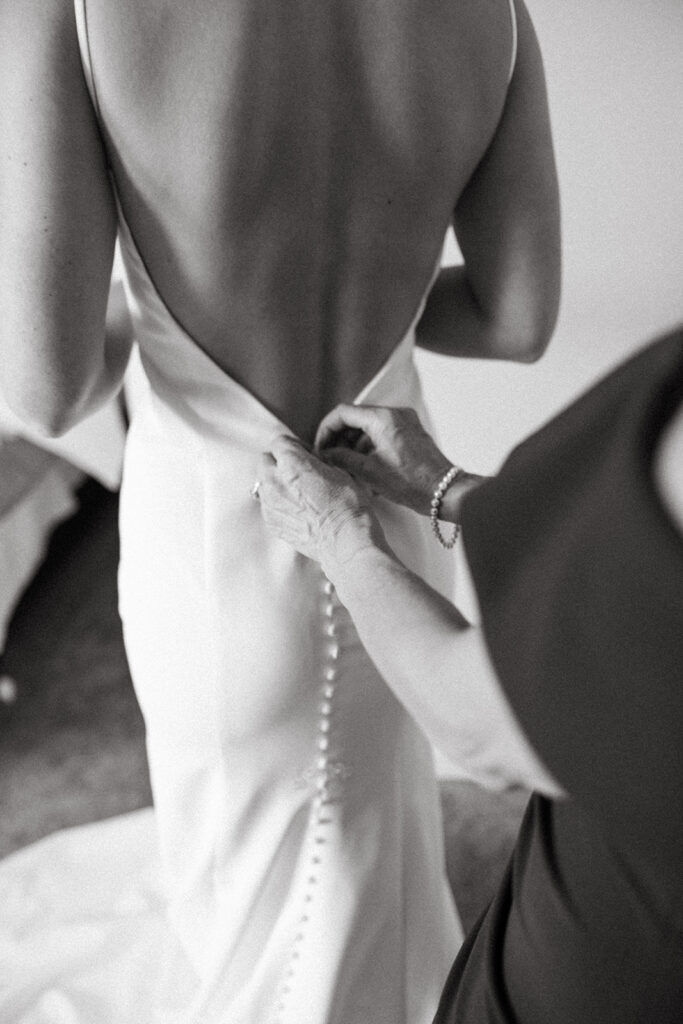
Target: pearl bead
(322, 780)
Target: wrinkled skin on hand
(387, 450)
(317, 508)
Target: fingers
(351, 437)
(266, 462)
(291, 456)
(264, 471)
(292, 467)
(295, 468)
(277, 469)
(285, 446)
(343, 458)
(302, 498)
(372, 420)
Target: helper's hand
(390, 452)
(318, 509)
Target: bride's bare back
(287, 170)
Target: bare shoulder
(40, 49)
(41, 78)
(26, 23)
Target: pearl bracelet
(453, 473)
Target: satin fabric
(265, 908)
(225, 630)
(192, 913)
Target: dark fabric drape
(579, 573)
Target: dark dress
(579, 572)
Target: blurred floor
(72, 745)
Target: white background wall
(615, 79)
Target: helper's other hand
(390, 452)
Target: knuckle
(283, 445)
(405, 415)
(385, 418)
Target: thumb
(346, 459)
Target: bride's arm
(503, 303)
(58, 223)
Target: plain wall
(615, 80)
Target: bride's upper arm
(507, 220)
(57, 215)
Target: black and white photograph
(341, 512)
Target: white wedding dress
(297, 808)
(299, 875)
(292, 871)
